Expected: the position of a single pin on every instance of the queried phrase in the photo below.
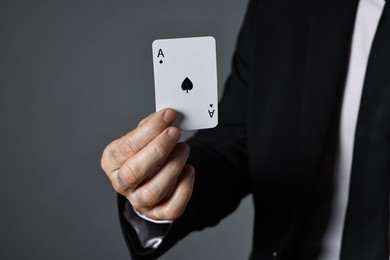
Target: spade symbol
(186, 85)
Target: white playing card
(185, 78)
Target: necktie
(366, 229)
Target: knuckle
(106, 160)
(118, 187)
(152, 130)
(128, 147)
(173, 212)
(159, 150)
(111, 158)
(128, 175)
(175, 166)
(104, 164)
(149, 197)
(114, 156)
(134, 201)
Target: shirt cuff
(152, 220)
(150, 232)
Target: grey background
(75, 75)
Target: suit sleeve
(219, 156)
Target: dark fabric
(366, 225)
(276, 117)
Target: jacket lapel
(328, 54)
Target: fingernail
(168, 116)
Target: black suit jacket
(279, 109)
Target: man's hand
(148, 167)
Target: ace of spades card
(185, 78)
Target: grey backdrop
(75, 75)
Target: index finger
(117, 152)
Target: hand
(148, 167)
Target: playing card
(185, 78)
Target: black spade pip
(186, 85)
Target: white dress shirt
(368, 14)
